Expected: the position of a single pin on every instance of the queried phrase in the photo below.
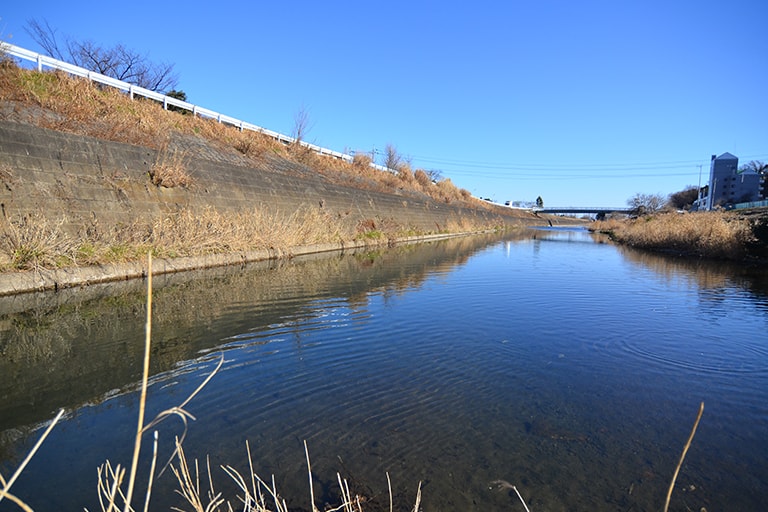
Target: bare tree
(392, 159)
(302, 124)
(117, 62)
(646, 203)
(755, 166)
(683, 199)
(435, 175)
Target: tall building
(727, 184)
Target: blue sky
(583, 103)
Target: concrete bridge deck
(581, 209)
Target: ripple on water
(703, 355)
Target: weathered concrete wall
(105, 183)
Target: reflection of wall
(69, 350)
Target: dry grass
(362, 160)
(78, 106)
(422, 178)
(170, 170)
(37, 243)
(705, 234)
(34, 242)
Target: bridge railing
(580, 209)
(44, 61)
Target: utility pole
(700, 165)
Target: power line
(560, 177)
(563, 167)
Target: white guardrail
(46, 61)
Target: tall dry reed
(31, 243)
(706, 234)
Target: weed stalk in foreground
(682, 456)
(110, 480)
(4, 492)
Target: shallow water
(554, 361)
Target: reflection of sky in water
(570, 368)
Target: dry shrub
(710, 234)
(406, 176)
(390, 181)
(33, 242)
(366, 225)
(362, 160)
(170, 170)
(446, 191)
(248, 143)
(422, 178)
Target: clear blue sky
(581, 102)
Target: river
(552, 360)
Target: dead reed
(170, 169)
(705, 234)
(35, 242)
(682, 456)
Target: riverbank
(736, 236)
(14, 283)
(91, 181)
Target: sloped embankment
(81, 183)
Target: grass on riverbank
(36, 242)
(722, 235)
(58, 101)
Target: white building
(728, 185)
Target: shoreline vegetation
(724, 235)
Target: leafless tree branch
(117, 62)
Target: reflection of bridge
(600, 210)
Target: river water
(552, 360)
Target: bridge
(599, 210)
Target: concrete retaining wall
(94, 181)
(87, 183)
